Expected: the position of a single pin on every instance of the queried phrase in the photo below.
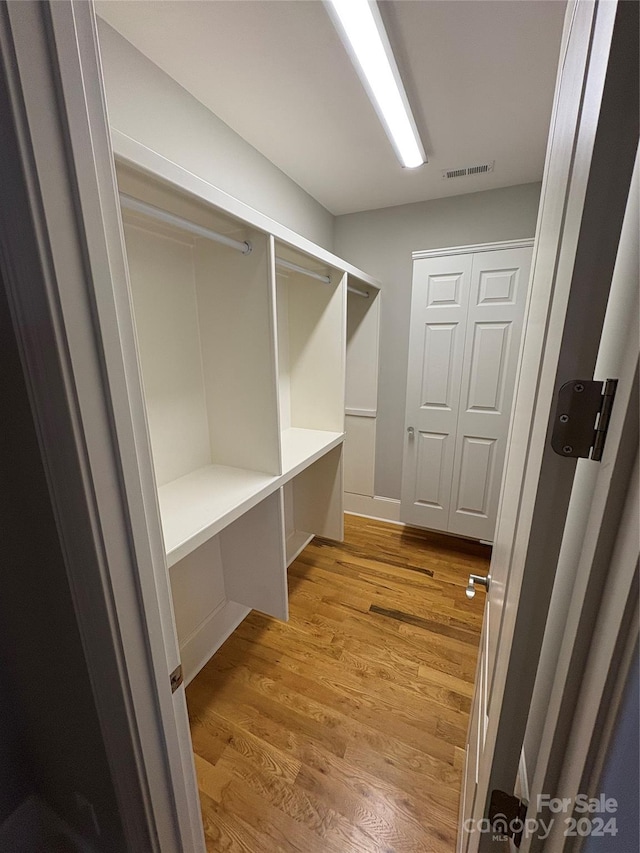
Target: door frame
(593, 597)
(61, 247)
(608, 638)
(524, 243)
(590, 157)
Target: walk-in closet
(264, 354)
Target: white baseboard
(34, 824)
(202, 644)
(378, 508)
(296, 543)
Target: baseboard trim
(377, 508)
(205, 641)
(388, 509)
(296, 543)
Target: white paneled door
(499, 282)
(466, 322)
(436, 351)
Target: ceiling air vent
(479, 169)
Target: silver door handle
(411, 431)
(477, 579)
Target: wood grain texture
(344, 729)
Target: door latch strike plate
(582, 418)
(175, 679)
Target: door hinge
(175, 679)
(506, 816)
(582, 418)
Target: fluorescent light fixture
(361, 27)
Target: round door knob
(411, 431)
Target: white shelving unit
(313, 503)
(363, 321)
(311, 356)
(242, 350)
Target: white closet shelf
(199, 505)
(302, 447)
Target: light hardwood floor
(344, 729)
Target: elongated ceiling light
(360, 24)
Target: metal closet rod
(244, 246)
(357, 292)
(138, 206)
(288, 265)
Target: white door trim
(592, 147)
(61, 244)
(85, 120)
(603, 637)
(526, 243)
(591, 570)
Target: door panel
(498, 287)
(438, 365)
(490, 349)
(438, 315)
(444, 290)
(431, 483)
(498, 290)
(476, 467)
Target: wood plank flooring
(344, 729)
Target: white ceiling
(480, 77)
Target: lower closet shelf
(230, 535)
(301, 447)
(195, 507)
(199, 505)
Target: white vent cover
(479, 169)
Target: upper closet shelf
(135, 154)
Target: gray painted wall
(381, 242)
(148, 105)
